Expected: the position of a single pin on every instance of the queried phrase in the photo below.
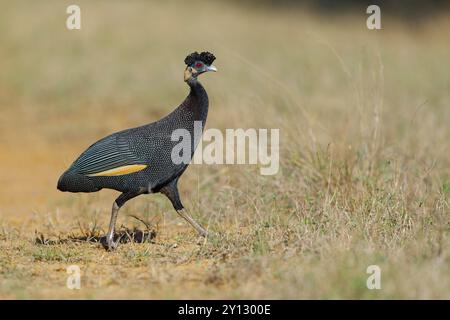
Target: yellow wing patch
(119, 171)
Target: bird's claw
(207, 235)
(109, 244)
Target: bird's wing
(110, 156)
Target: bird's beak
(211, 68)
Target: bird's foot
(109, 244)
(204, 237)
(207, 234)
(204, 233)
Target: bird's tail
(73, 182)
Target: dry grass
(364, 123)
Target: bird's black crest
(206, 57)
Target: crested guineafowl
(138, 161)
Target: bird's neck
(197, 101)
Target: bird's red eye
(198, 65)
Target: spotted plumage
(138, 161)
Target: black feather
(206, 57)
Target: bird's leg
(195, 224)
(110, 244)
(120, 201)
(171, 192)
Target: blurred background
(364, 136)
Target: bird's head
(198, 63)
